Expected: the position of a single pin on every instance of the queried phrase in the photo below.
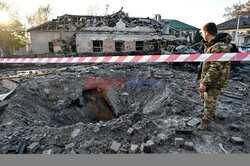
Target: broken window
(97, 46)
(119, 46)
(139, 45)
(51, 47)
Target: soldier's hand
(202, 88)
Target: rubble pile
(60, 114)
(78, 23)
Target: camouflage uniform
(214, 75)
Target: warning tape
(136, 58)
(52, 72)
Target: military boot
(204, 124)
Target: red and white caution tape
(136, 59)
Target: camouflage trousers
(209, 100)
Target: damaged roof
(78, 22)
(179, 25)
(232, 24)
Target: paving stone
(237, 140)
(179, 142)
(33, 147)
(134, 149)
(189, 145)
(130, 131)
(115, 146)
(193, 122)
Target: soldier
(213, 76)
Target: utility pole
(237, 31)
(107, 6)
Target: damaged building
(85, 34)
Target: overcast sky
(193, 12)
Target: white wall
(40, 40)
(83, 40)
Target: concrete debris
(162, 138)
(72, 152)
(130, 131)
(97, 128)
(75, 133)
(3, 104)
(5, 95)
(9, 84)
(139, 125)
(80, 120)
(115, 146)
(133, 149)
(234, 127)
(124, 94)
(193, 122)
(33, 147)
(237, 140)
(179, 142)
(189, 145)
(50, 151)
(22, 145)
(148, 147)
(69, 146)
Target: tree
(12, 32)
(237, 9)
(197, 37)
(93, 10)
(42, 15)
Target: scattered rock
(21, 146)
(97, 128)
(48, 151)
(234, 127)
(3, 104)
(189, 145)
(138, 126)
(179, 142)
(69, 146)
(33, 147)
(237, 140)
(124, 94)
(115, 146)
(75, 133)
(72, 152)
(134, 149)
(193, 122)
(9, 123)
(36, 138)
(130, 131)
(162, 138)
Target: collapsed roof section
(77, 23)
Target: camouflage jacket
(216, 74)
